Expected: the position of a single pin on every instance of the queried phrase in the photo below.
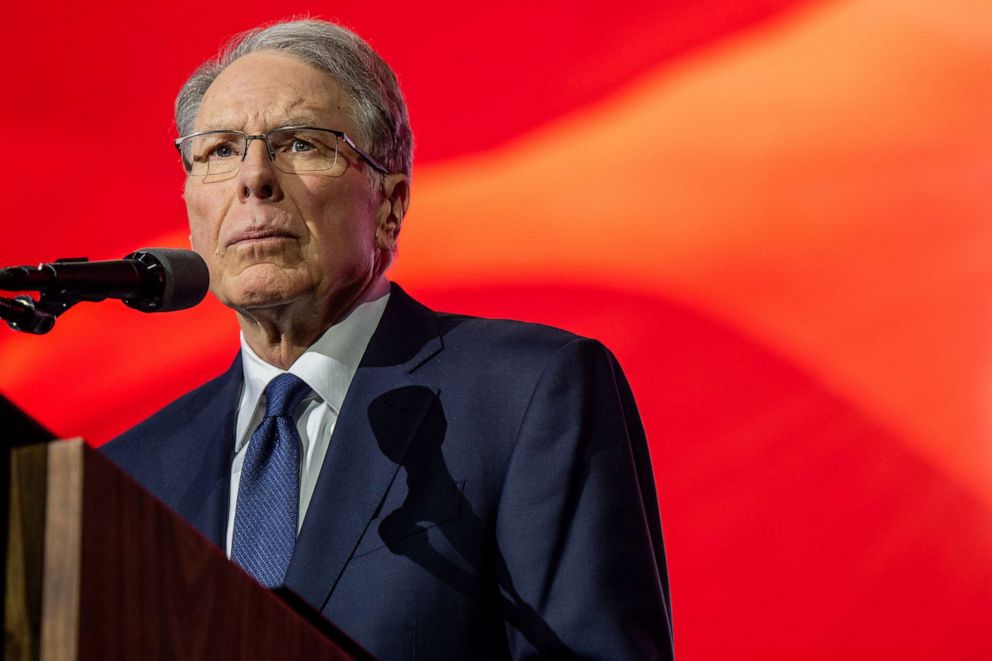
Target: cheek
(203, 223)
(199, 241)
(199, 237)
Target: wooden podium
(99, 569)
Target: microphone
(150, 280)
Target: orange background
(777, 213)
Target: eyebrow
(300, 120)
(292, 120)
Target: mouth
(259, 234)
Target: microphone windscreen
(185, 282)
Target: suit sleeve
(579, 538)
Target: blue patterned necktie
(268, 494)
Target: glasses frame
(264, 137)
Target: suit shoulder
(515, 351)
(502, 334)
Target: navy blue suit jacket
(487, 494)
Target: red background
(777, 213)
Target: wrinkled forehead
(268, 89)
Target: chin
(258, 300)
(263, 290)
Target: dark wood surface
(18, 429)
(126, 578)
(25, 553)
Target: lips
(257, 234)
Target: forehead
(268, 89)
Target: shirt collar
(327, 366)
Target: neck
(281, 334)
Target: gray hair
(377, 109)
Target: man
(438, 486)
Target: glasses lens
(212, 153)
(306, 150)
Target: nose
(258, 177)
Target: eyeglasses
(292, 149)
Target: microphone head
(176, 279)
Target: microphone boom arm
(23, 313)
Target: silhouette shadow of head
(427, 506)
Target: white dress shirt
(328, 367)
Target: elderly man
(439, 486)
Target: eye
(225, 150)
(301, 143)
(298, 145)
(218, 146)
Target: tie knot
(283, 395)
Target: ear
(392, 210)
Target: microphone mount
(23, 313)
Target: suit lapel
(206, 443)
(381, 414)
